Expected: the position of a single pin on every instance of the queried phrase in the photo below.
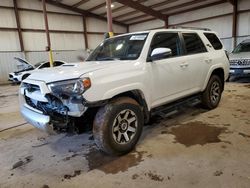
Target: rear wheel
(212, 94)
(118, 126)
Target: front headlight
(70, 87)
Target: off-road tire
(110, 114)
(212, 94)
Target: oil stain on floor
(111, 164)
(197, 133)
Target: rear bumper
(40, 121)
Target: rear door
(196, 57)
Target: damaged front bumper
(44, 110)
(36, 119)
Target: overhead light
(112, 6)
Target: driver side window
(167, 40)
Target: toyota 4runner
(123, 81)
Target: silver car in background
(240, 60)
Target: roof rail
(191, 28)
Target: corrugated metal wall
(66, 46)
(222, 25)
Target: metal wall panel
(8, 3)
(101, 26)
(9, 41)
(31, 20)
(94, 41)
(34, 41)
(147, 25)
(60, 41)
(65, 22)
(31, 4)
(7, 64)
(244, 24)
(243, 4)
(7, 18)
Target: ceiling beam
(198, 7)
(81, 11)
(231, 1)
(135, 18)
(151, 6)
(121, 8)
(97, 7)
(164, 9)
(137, 6)
(80, 3)
(184, 11)
(190, 3)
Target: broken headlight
(70, 87)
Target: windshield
(242, 47)
(38, 64)
(126, 47)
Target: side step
(173, 107)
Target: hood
(70, 70)
(24, 64)
(23, 70)
(241, 55)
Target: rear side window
(213, 39)
(57, 63)
(193, 43)
(45, 65)
(167, 40)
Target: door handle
(183, 65)
(208, 61)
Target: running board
(173, 107)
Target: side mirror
(160, 53)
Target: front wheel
(25, 76)
(212, 94)
(118, 126)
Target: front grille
(10, 76)
(30, 102)
(240, 62)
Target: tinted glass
(57, 63)
(167, 40)
(213, 39)
(193, 43)
(45, 65)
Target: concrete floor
(193, 148)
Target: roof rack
(191, 28)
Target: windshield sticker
(138, 37)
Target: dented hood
(70, 71)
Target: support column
(235, 23)
(47, 33)
(109, 17)
(18, 25)
(166, 22)
(85, 33)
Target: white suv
(125, 80)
